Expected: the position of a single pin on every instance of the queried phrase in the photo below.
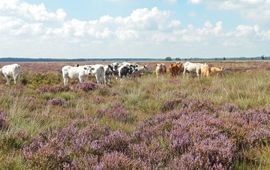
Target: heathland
(217, 122)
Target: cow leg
(15, 76)
(184, 72)
(97, 79)
(81, 79)
(198, 72)
(8, 81)
(65, 78)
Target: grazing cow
(12, 70)
(193, 67)
(125, 70)
(114, 68)
(139, 70)
(176, 68)
(216, 70)
(160, 69)
(205, 71)
(70, 72)
(123, 67)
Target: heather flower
(85, 86)
(117, 160)
(170, 105)
(116, 141)
(52, 89)
(152, 154)
(258, 136)
(195, 135)
(77, 145)
(116, 112)
(230, 107)
(57, 102)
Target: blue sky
(134, 28)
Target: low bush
(116, 112)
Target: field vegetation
(219, 122)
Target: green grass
(28, 111)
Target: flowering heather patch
(3, 121)
(191, 104)
(229, 107)
(57, 102)
(153, 154)
(199, 139)
(14, 140)
(116, 160)
(74, 146)
(185, 138)
(52, 89)
(116, 112)
(85, 86)
(170, 105)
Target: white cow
(193, 67)
(70, 72)
(12, 70)
(98, 70)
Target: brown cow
(176, 68)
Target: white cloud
(30, 11)
(144, 31)
(258, 10)
(195, 1)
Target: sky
(134, 28)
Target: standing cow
(160, 69)
(176, 68)
(12, 70)
(193, 68)
(99, 71)
(70, 72)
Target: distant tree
(177, 59)
(168, 59)
(224, 58)
(262, 57)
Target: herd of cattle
(104, 73)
